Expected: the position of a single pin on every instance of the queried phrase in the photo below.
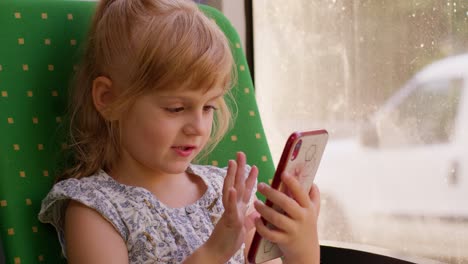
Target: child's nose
(196, 124)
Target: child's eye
(174, 109)
(208, 108)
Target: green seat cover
(40, 44)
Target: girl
(148, 99)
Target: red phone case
(302, 153)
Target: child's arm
(296, 231)
(90, 238)
(230, 232)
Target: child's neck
(181, 192)
(173, 190)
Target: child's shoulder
(85, 190)
(99, 182)
(99, 192)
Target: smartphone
(301, 157)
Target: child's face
(164, 131)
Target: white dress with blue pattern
(153, 232)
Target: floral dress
(153, 232)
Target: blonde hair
(143, 46)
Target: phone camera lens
(296, 150)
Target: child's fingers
(240, 174)
(314, 196)
(250, 183)
(231, 210)
(250, 220)
(229, 179)
(272, 235)
(280, 199)
(277, 219)
(296, 190)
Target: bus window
(346, 65)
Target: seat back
(39, 47)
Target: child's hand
(229, 233)
(295, 231)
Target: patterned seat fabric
(39, 47)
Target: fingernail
(256, 203)
(261, 186)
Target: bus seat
(40, 44)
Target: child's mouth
(184, 151)
(185, 148)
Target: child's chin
(178, 167)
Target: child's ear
(103, 95)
